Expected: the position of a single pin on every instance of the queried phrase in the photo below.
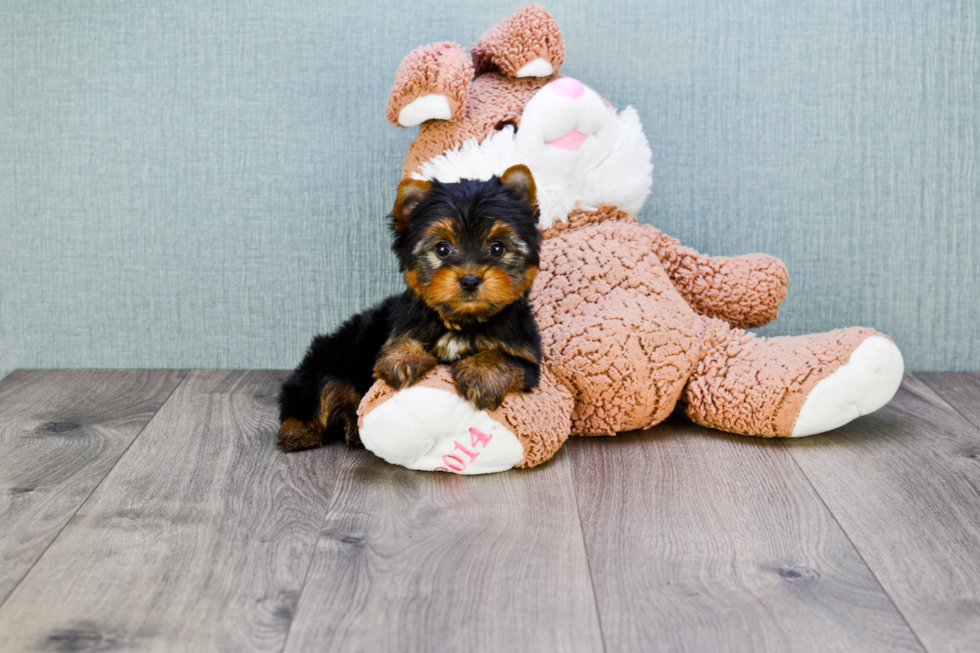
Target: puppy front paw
(486, 378)
(402, 362)
(479, 389)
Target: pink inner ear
(567, 86)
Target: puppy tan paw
(295, 435)
(402, 362)
(485, 378)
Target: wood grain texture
(699, 541)
(60, 434)
(961, 391)
(414, 561)
(904, 483)
(198, 540)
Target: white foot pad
(865, 383)
(429, 429)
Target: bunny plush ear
(432, 83)
(528, 44)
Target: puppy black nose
(469, 282)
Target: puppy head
(470, 248)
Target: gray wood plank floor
(60, 434)
(904, 484)
(408, 561)
(150, 511)
(700, 541)
(198, 539)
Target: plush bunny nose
(469, 282)
(567, 86)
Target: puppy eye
(443, 249)
(497, 249)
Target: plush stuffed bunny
(631, 321)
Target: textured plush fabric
(623, 180)
(499, 49)
(494, 100)
(613, 327)
(629, 318)
(443, 68)
(616, 328)
(745, 384)
(204, 184)
(621, 346)
(744, 291)
(540, 419)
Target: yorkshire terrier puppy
(469, 252)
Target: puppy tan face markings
(469, 271)
(469, 253)
(440, 231)
(514, 247)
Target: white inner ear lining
(536, 68)
(427, 107)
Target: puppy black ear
(410, 193)
(519, 178)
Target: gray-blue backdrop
(193, 184)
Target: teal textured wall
(189, 184)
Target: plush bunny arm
(744, 291)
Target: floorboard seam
(54, 539)
(967, 419)
(871, 570)
(585, 549)
(316, 543)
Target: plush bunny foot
(430, 429)
(868, 381)
(790, 385)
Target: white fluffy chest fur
(611, 167)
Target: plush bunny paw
(430, 429)
(868, 381)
